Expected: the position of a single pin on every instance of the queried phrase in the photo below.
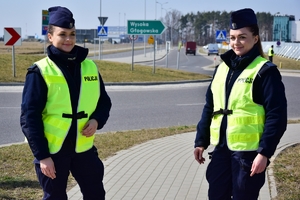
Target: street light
(161, 4)
(168, 27)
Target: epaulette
(33, 67)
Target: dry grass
(17, 175)
(110, 71)
(287, 173)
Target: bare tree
(172, 21)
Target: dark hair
(50, 29)
(255, 31)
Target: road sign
(278, 43)
(145, 27)
(45, 21)
(133, 37)
(150, 39)
(220, 36)
(102, 30)
(12, 36)
(102, 20)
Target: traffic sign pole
(45, 22)
(102, 22)
(132, 53)
(154, 52)
(146, 27)
(12, 37)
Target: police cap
(242, 18)
(61, 17)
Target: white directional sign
(102, 30)
(145, 27)
(12, 36)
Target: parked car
(212, 49)
(190, 48)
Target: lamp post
(161, 7)
(161, 4)
(203, 26)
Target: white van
(212, 49)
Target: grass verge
(110, 71)
(287, 173)
(17, 175)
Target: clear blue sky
(27, 14)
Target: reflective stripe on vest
(246, 123)
(56, 127)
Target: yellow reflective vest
(245, 124)
(57, 115)
(270, 53)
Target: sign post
(146, 27)
(133, 38)
(102, 22)
(12, 37)
(45, 22)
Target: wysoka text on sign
(145, 27)
(141, 31)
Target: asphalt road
(139, 107)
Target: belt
(79, 115)
(222, 112)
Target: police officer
(271, 53)
(244, 117)
(64, 102)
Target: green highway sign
(145, 27)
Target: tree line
(202, 26)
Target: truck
(190, 48)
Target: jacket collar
(77, 55)
(236, 62)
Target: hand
(198, 153)
(48, 168)
(90, 128)
(259, 164)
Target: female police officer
(245, 115)
(64, 102)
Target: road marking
(9, 107)
(190, 104)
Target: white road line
(190, 104)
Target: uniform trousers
(228, 175)
(86, 168)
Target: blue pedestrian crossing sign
(220, 36)
(102, 30)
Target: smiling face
(242, 40)
(62, 38)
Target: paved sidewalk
(165, 169)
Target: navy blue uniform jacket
(268, 90)
(34, 99)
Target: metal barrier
(285, 49)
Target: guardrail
(285, 49)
